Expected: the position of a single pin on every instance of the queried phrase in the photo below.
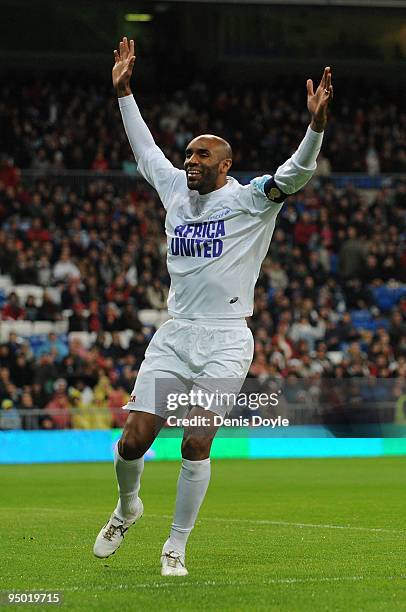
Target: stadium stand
(83, 281)
(78, 125)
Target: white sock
(129, 481)
(193, 481)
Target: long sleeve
(298, 169)
(151, 162)
(138, 134)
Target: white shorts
(209, 359)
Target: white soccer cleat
(112, 534)
(173, 564)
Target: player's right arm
(152, 163)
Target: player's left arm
(298, 169)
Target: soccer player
(218, 233)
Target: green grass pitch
(283, 535)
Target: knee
(131, 445)
(196, 448)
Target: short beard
(208, 181)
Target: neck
(220, 182)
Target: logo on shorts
(233, 300)
(132, 398)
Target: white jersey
(215, 242)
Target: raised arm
(298, 169)
(151, 162)
(138, 134)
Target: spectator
(9, 174)
(12, 310)
(111, 320)
(14, 344)
(80, 410)
(372, 161)
(278, 278)
(37, 233)
(397, 328)
(304, 230)
(21, 371)
(46, 371)
(137, 347)
(115, 349)
(64, 268)
(57, 409)
(94, 320)
(155, 293)
(24, 271)
(129, 319)
(9, 417)
(48, 311)
(44, 271)
(352, 255)
(100, 163)
(54, 345)
(116, 400)
(31, 418)
(31, 310)
(102, 413)
(78, 321)
(303, 330)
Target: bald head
(208, 158)
(218, 145)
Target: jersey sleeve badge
(273, 193)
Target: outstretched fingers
(328, 88)
(124, 50)
(326, 73)
(309, 86)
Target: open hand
(123, 67)
(319, 100)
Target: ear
(225, 165)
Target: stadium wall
(27, 447)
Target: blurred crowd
(73, 122)
(332, 255)
(330, 300)
(104, 253)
